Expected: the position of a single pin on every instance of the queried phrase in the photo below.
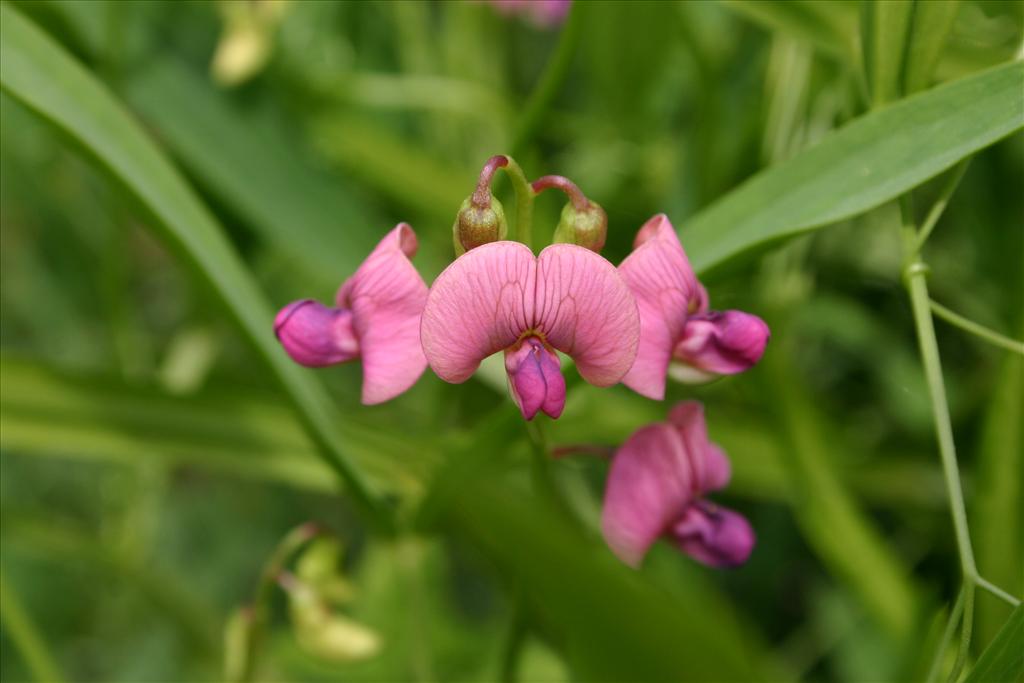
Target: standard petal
(482, 303)
(315, 335)
(649, 485)
(584, 309)
(535, 379)
(713, 535)
(387, 295)
(660, 277)
(722, 343)
(710, 467)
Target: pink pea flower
(543, 13)
(499, 296)
(678, 334)
(655, 489)
(376, 319)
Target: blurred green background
(152, 460)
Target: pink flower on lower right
(655, 489)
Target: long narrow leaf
(40, 74)
(863, 165)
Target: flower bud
(477, 224)
(586, 227)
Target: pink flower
(655, 490)
(543, 13)
(675, 323)
(377, 320)
(499, 296)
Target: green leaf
(868, 162)
(40, 74)
(931, 25)
(884, 30)
(830, 26)
(243, 156)
(1003, 660)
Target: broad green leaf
(868, 162)
(830, 26)
(931, 25)
(999, 511)
(40, 74)
(243, 157)
(884, 34)
(1003, 660)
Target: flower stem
(940, 204)
(576, 196)
(917, 286)
(967, 325)
(524, 201)
(965, 632)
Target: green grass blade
(18, 626)
(868, 162)
(40, 74)
(830, 26)
(998, 509)
(310, 215)
(1003, 660)
(884, 34)
(932, 22)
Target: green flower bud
(476, 225)
(587, 227)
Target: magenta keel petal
(535, 379)
(713, 535)
(722, 343)
(315, 335)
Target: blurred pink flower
(542, 13)
(376, 319)
(655, 489)
(676, 327)
(499, 296)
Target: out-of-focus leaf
(998, 508)
(884, 34)
(615, 626)
(244, 158)
(862, 165)
(230, 430)
(829, 517)
(932, 22)
(1003, 660)
(830, 26)
(40, 74)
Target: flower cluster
(639, 323)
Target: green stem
(940, 204)
(288, 546)
(550, 81)
(513, 647)
(996, 591)
(26, 638)
(524, 201)
(967, 325)
(965, 632)
(947, 635)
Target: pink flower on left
(376, 319)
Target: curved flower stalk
(676, 326)
(376, 319)
(655, 489)
(499, 296)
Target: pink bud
(315, 335)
